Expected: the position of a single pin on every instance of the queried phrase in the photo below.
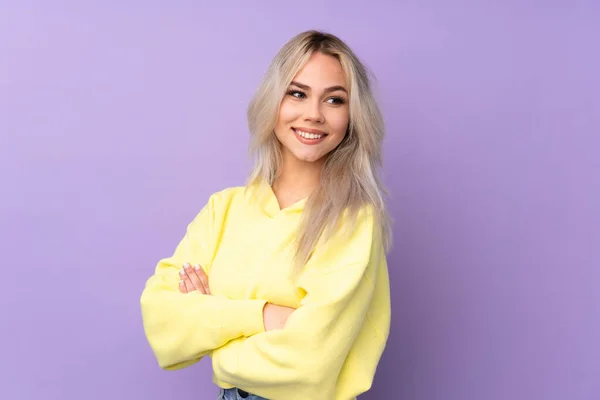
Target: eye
(336, 100)
(296, 93)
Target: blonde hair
(349, 180)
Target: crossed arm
(195, 279)
(260, 346)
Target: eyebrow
(328, 90)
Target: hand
(275, 317)
(193, 279)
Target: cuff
(244, 316)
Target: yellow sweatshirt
(331, 344)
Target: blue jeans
(237, 394)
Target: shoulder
(226, 196)
(355, 240)
(359, 223)
(218, 203)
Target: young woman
(283, 282)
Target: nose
(313, 111)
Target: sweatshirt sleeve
(304, 358)
(182, 328)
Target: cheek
(287, 113)
(339, 122)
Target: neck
(297, 178)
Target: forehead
(321, 71)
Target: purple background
(119, 118)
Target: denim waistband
(237, 394)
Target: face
(314, 114)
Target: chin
(311, 160)
(308, 157)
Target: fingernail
(180, 283)
(186, 265)
(196, 267)
(182, 272)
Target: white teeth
(307, 135)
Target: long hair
(349, 180)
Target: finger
(189, 287)
(182, 287)
(194, 278)
(188, 284)
(203, 278)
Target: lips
(308, 137)
(309, 130)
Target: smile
(309, 138)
